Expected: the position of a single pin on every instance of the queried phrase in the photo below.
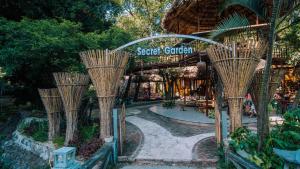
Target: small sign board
(180, 50)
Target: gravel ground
(176, 128)
(17, 158)
(206, 149)
(134, 137)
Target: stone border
(195, 156)
(43, 150)
(131, 158)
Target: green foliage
(233, 21)
(143, 18)
(93, 14)
(211, 114)
(88, 132)
(255, 6)
(221, 164)
(59, 141)
(31, 50)
(169, 104)
(285, 136)
(35, 129)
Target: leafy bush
(88, 132)
(168, 104)
(211, 114)
(37, 130)
(285, 136)
(59, 141)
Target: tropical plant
(262, 11)
(168, 104)
(283, 136)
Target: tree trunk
(263, 116)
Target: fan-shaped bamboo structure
(275, 79)
(71, 87)
(105, 69)
(236, 63)
(53, 105)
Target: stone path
(189, 115)
(159, 167)
(160, 144)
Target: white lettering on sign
(166, 50)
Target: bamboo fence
(53, 105)
(275, 80)
(236, 63)
(105, 69)
(71, 87)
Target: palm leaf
(229, 24)
(255, 6)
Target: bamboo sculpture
(275, 79)
(71, 87)
(236, 63)
(53, 105)
(105, 69)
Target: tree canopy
(31, 50)
(94, 15)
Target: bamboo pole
(53, 105)
(71, 87)
(105, 69)
(236, 64)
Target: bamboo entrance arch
(236, 65)
(105, 69)
(53, 105)
(71, 87)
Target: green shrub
(37, 130)
(211, 114)
(88, 132)
(284, 136)
(59, 141)
(168, 104)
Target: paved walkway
(160, 144)
(158, 167)
(190, 115)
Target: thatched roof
(190, 16)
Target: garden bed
(284, 136)
(32, 135)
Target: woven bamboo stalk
(53, 105)
(236, 63)
(105, 69)
(71, 87)
(275, 80)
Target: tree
(143, 17)
(257, 6)
(94, 15)
(31, 50)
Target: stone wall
(43, 150)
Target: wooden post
(116, 134)
(224, 125)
